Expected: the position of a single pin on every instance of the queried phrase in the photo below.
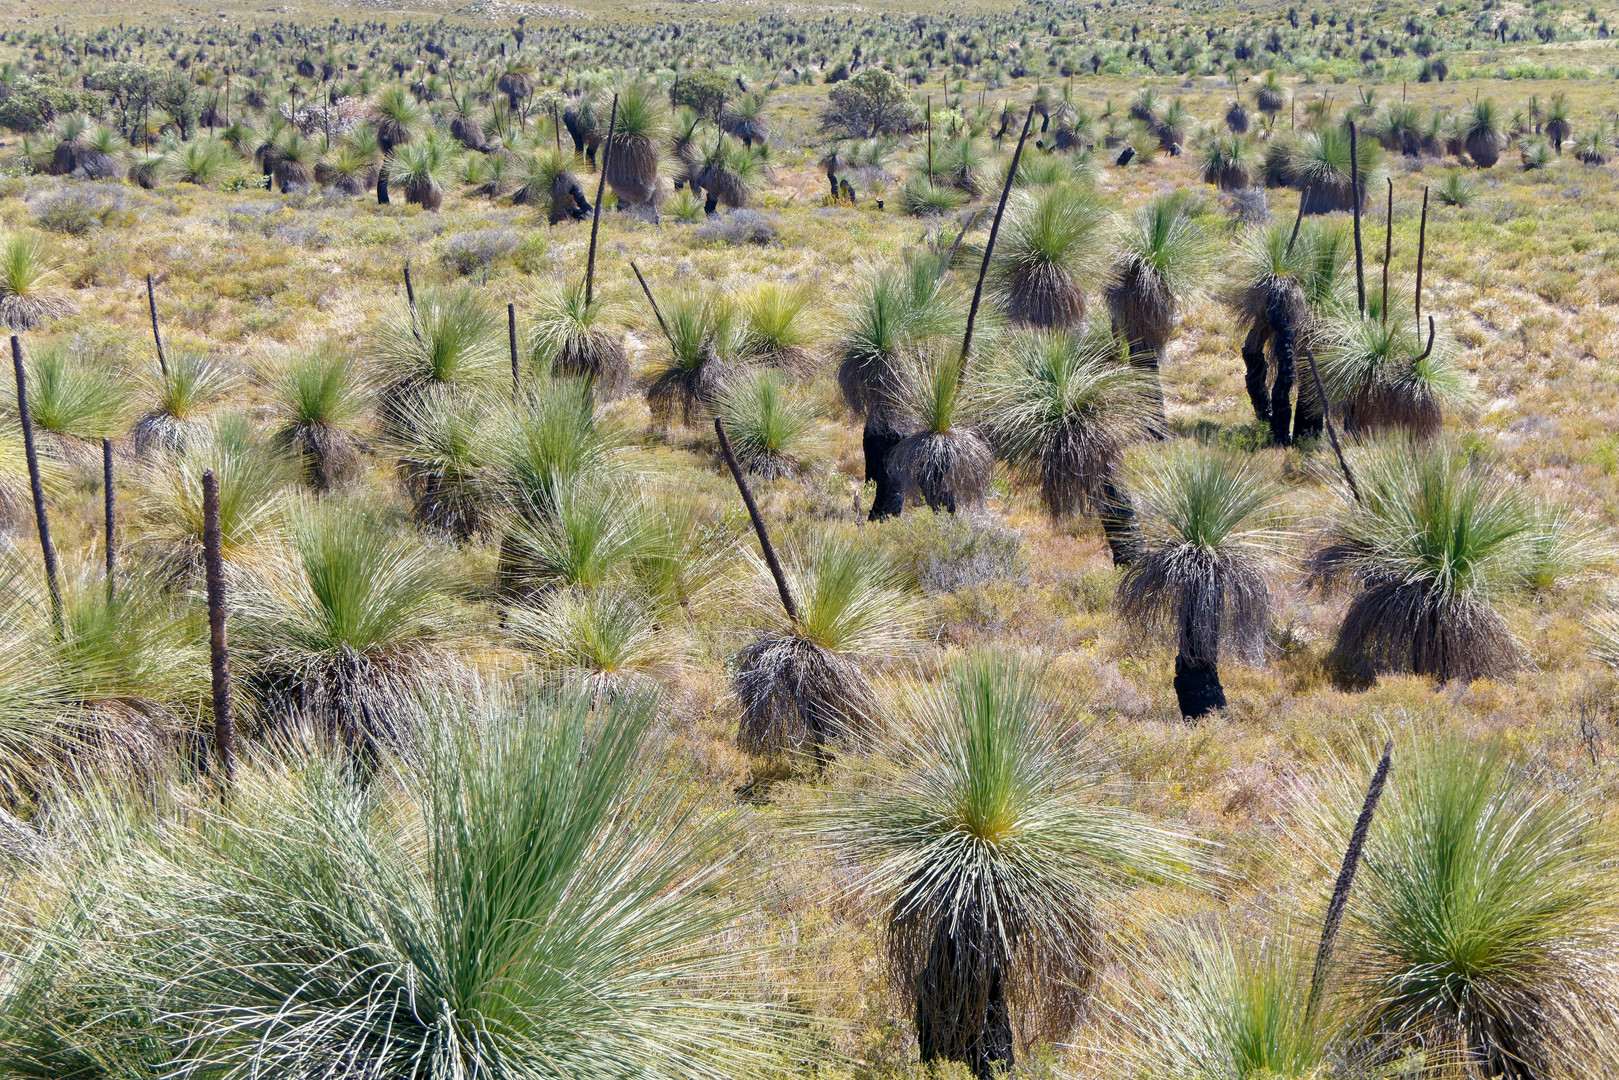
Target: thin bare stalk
(47, 548)
(157, 338)
(1422, 250)
(758, 523)
(1326, 418)
(111, 513)
(601, 187)
(511, 340)
(1388, 250)
(410, 300)
(989, 248)
(218, 649)
(1298, 219)
(1346, 878)
(663, 325)
(1354, 198)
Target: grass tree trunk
(1197, 677)
(1283, 347)
(41, 518)
(1118, 523)
(878, 441)
(949, 1023)
(1257, 373)
(218, 648)
(382, 185)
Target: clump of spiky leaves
(766, 424)
(1481, 133)
(1228, 161)
(527, 891)
(1210, 539)
(30, 290)
(450, 338)
(730, 173)
(1065, 406)
(73, 400)
(640, 127)
(202, 162)
(1458, 191)
(701, 359)
(421, 168)
(251, 476)
(179, 400)
(344, 627)
(1051, 246)
(800, 684)
(945, 460)
(16, 493)
(547, 179)
(1319, 165)
(570, 338)
(985, 829)
(1480, 930)
(1230, 1005)
(1431, 546)
(780, 326)
(610, 640)
(898, 307)
(546, 442)
(320, 395)
(441, 441)
(586, 535)
(921, 197)
(1386, 379)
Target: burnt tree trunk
(878, 441)
(382, 186)
(1257, 376)
(1197, 678)
(1118, 524)
(1281, 391)
(954, 1029)
(41, 518)
(218, 649)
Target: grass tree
(1052, 245)
(1162, 262)
(1321, 166)
(609, 640)
(1430, 548)
(1229, 162)
(345, 626)
(1210, 539)
(1485, 912)
(421, 168)
(631, 157)
(1385, 379)
(570, 337)
(251, 475)
(30, 283)
(449, 337)
(441, 441)
(1482, 136)
(1283, 286)
(397, 117)
(801, 683)
(897, 309)
(703, 338)
(179, 400)
(768, 426)
(547, 179)
(548, 441)
(1230, 1003)
(987, 832)
(320, 396)
(74, 404)
(1066, 406)
(527, 891)
(945, 459)
(589, 535)
(729, 173)
(781, 327)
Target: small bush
(75, 211)
(740, 227)
(475, 252)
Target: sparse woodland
(1067, 540)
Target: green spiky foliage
(547, 442)
(704, 332)
(570, 338)
(1064, 407)
(1384, 376)
(421, 168)
(1163, 261)
(30, 289)
(546, 178)
(1228, 161)
(72, 399)
(1481, 133)
(801, 685)
(345, 626)
(1558, 126)
(963, 164)
(451, 338)
(1231, 1003)
(589, 536)
(397, 118)
(1483, 907)
(527, 891)
(251, 473)
(921, 197)
(1431, 547)
(1210, 541)
(1052, 245)
(944, 460)
(781, 326)
(203, 162)
(1044, 170)
(730, 173)
(766, 424)
(179, 400)
(1319, 165)
(609, 640)
(441, 441)
(320, 397)
(640, 128)
(985, 828)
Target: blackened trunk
(109, 502)
(1118, 524)
(1197, 686)
(382, 186)
(1281, 392)
(218, 650)
(941, 1023)
(878, 440)
(41, 518)
(1258, 375)
(711, 204)
(1145, 357)
(1308, 421)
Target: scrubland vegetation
(1067, 540)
